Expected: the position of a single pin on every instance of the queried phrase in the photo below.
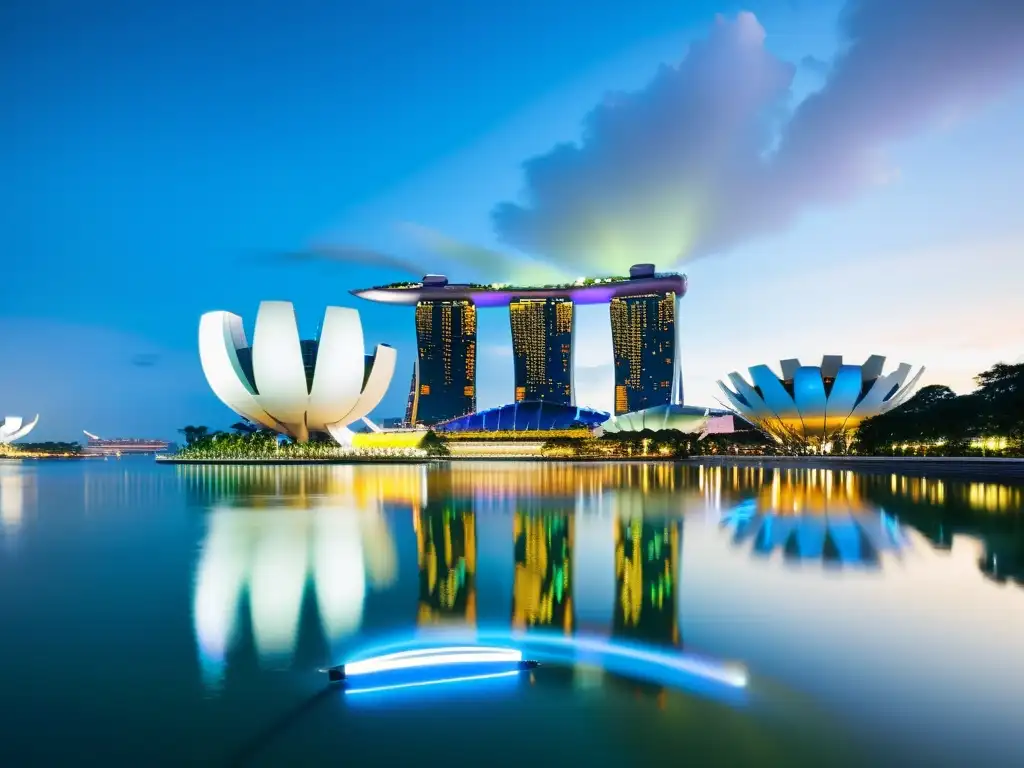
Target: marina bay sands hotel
(643, 309)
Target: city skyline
(815, 209)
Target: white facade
(277, 396)
(14, 428)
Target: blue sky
(156, 155)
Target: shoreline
(961, 466)
(968, 466)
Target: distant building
(117, 446)
(446, 342)
(645, 347)
(542, 331)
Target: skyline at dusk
(833, 178)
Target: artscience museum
(292, 386)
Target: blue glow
(670, 667)
(428, 683)
(432, 657)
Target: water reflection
(647, 575)
(543, 583)
(575, 549)
(268, 549)
(17, 486)
(446, 556)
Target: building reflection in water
(647, 577)
(17, 486)
(578, 549)
(818, 516)
(265, 552)
(849, 518)
(542, 584)
(446, 555)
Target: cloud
(344, 255)
(712, 152)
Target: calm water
(159, 615)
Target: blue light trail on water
(670, 667)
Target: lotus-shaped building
(816, 405)
(14, 428)
(290, 386)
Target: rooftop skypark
(590, 290)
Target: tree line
(938, 422)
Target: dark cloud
(712, 153)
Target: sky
(834, 177)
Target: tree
(435, 445)
(194, 434)
(1001, 395)
(245, 427)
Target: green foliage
(48, 447)
(667, 444)
(264, 445)
(937, 422)
(435, 445)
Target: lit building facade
(645, 346)
(646, 579)
(644, 311)
(542, 585)
(446, 343)
(542, 331)
(412, 404)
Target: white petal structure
(816, 405)
(291, 386)
(14, 428)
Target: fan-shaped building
(815, 405)
(291, 386)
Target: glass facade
(644, 346)
(446, 342)
(542, 349)
(525, 416)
